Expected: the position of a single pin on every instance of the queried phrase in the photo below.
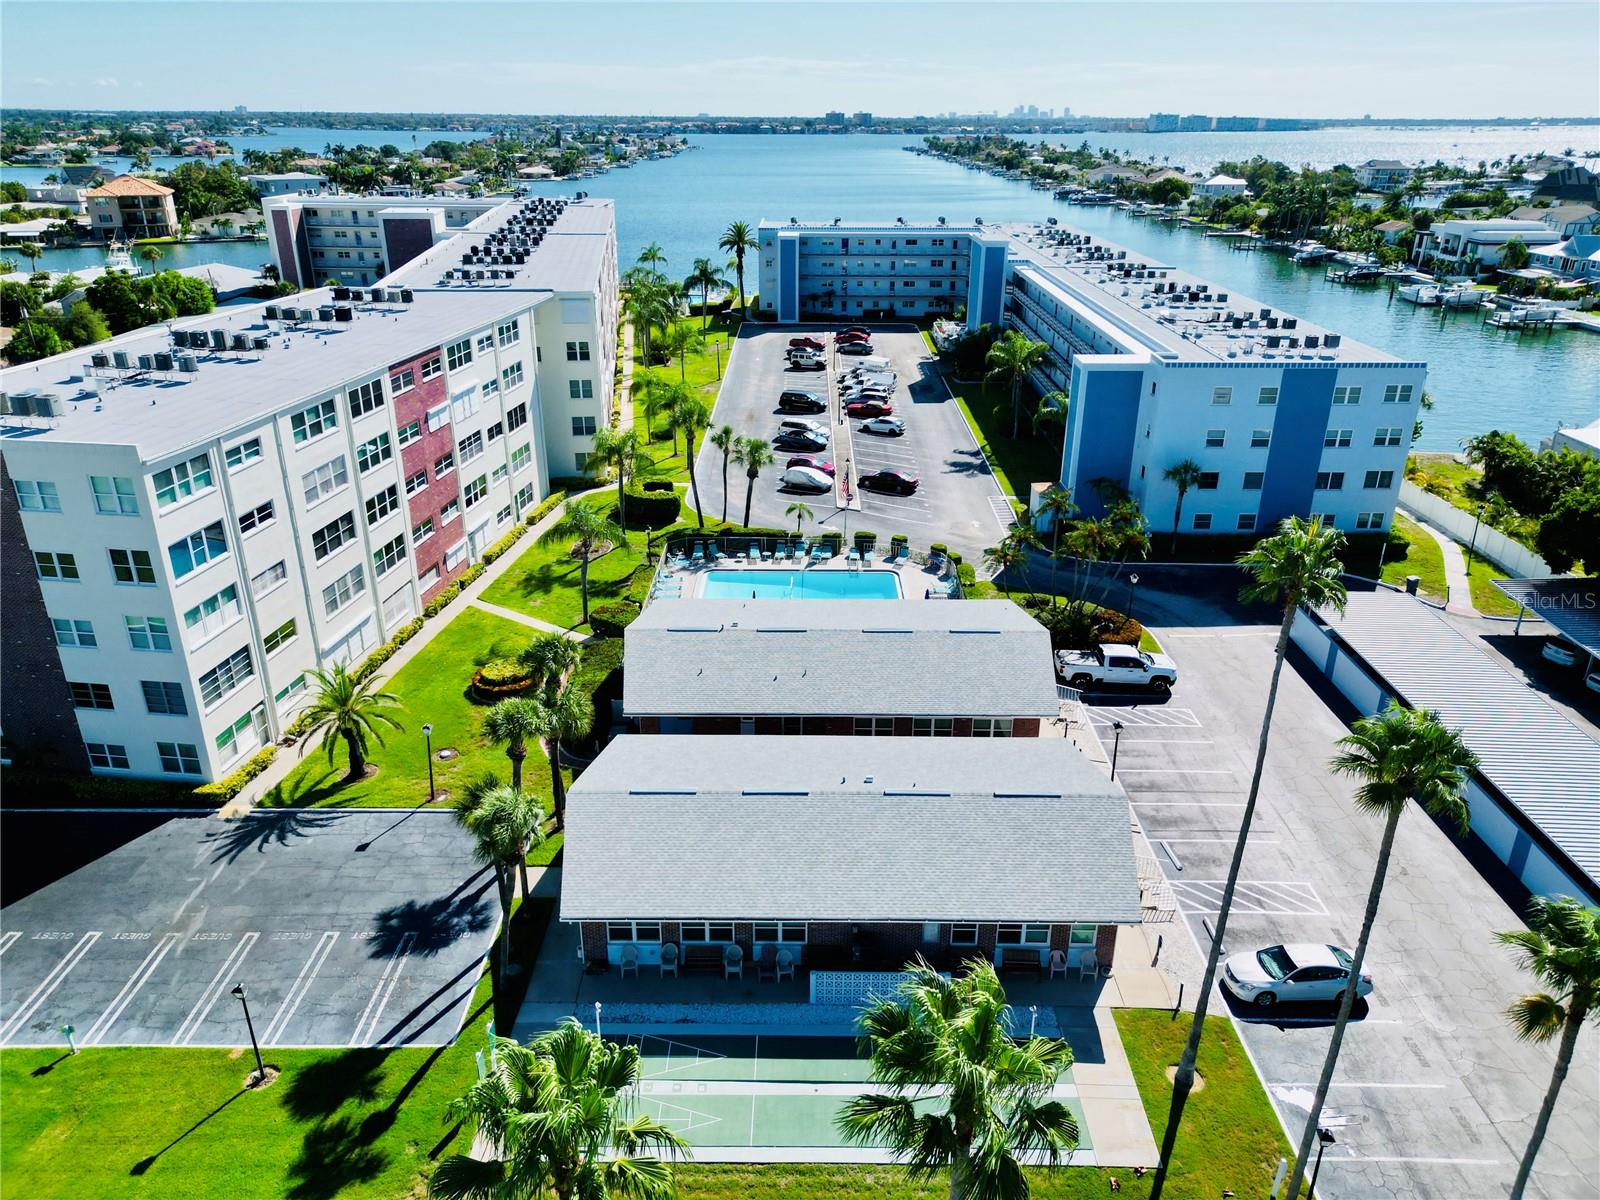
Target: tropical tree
(1010, 360)
(585, 529)
(1056, 504)
(617, 448)
(1400, 755)
(1182, 475)
(680, 341)
(566, 713)
(222, 226)
(962, 1096)
(550, 1117)
(1561, 947)
(1051, 410)
(1013, 551)
(550, 658)
(705, 277)
(150, 255)
(504, 825)
(653, 303)
(724, 438)
(800, 512)
(652, 258)
(514, 723)
(690, 414)
(1298, 565)
(349, 709)
(31, 251)
(753, 453)
(738, 239)
(1514, 255)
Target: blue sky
(1260, 58)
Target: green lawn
(544, 582)
(701, 369)
(1486, 598)
(1447, 470)
(432, 688)
(1016, 464)
(1412, 551)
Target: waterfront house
(1584, 439)
(1570, 184)
(287, 183)
(1391, 231)
(129, 208)
(1112, 173)
(1221, 185)
(1572, 258)
(847, 852)
(1568, 220)
(1383, 174)
(1473, 246)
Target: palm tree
(652, 258)
(348, 708)
(962, 1096)
(1183, 475)
(514, 723)
(1058, 505)
(1013, 551)
(565, 713)
(617, 448)
(691, 414)
(1402, 754)
(1010, 360)
(736, 241)
(1297, 565)
(504, 824)
(31, 251)
(1052, 407)
(1561, 946)
(800, 512)
(150, 255)
(653, 304)
(550, 658)
(550, 1118)
(585, 529)
(723, 439)
(682, 340)
(753, 453)
(705, 277)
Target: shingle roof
(829, 657)
(847, 829)
(1540, 761)
(129, 185)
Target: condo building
(197, 514)
(357, 240)
(1282, 417)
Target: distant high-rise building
(1195, 123)
(239, 108)
(862, 118)
(1161, 123)
(833, 118)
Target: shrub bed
(652, 510)
(231, 784)
(609, 620)
(499, 678)
(1077, 627)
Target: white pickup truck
(1109, 663)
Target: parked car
(855, 330)
(874, 363)
(895, 482)
(800, 439)
(813, 461)
(884, 426)
(1298, 972)
(801, 423)
(866, 407)
(855, 348)
(808, 364)
(805, 479)
(868, 371)
(809, 343)
(1560, 651)
(801, 402)
(852, 335)
(1109, 663)
(871, 383)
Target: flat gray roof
(1541, 762)
(887, 658)
(569, 258)
(1569, 604)
(848, 829)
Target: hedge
(499, 678)
(231, 784)
(659, 485)
(967, 575)
(652, 510)
(609, 620)
(26, 788)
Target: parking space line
(1421, 1087)
(1005, 516)
(373, 1013)
(1172, 771)
(47, 985)
(8, 939)
(1190, 803)
(1275, 898)
(1169, 718)
(136, 981)
(302, 985)
(208, 998)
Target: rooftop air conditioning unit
(163, 360)
(1222, 297)
(357, 296)
(1272, 322)
(1312, 341)
(260, 343)
(44, 405)
(100, 362)
(341, 293)
(1272, 341)
(219, 339)
(119, 359)
(147, 362)
(344, 312)
(1332, 340)
(407, 296)
(241, 341)
(325, 312)
(1290, 322)
(271, 313)
(188, 363)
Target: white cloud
(105, 81)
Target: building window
(1022, 935)
(1378, 479)
(1222, 395)
(409, 433)
(577, 351)
(633, 931)
(164, 699)
(508, 332)
(1330, 481)
(1208, 481)
(521, 457)
(178, 758)
(90, 695)
(438, 415)
(148, 633)
(933, 727)
(264, 581)
(381, 505)
(1260, 439)
(37, 495)
(1347, 395)
(580, 389)
(366, 397)
(963, 935)
(1267, 395)
(226, 676)
(373, 452)
(390, 555)
(51, 565)
(524, 498)
(469, 447)
(511, 376)
(199, 548)
(485, 343)
(243, 454)
(497, 430)
(1216, 439)
(1253, 480)
(1082, 935)
(1337, 438)
(431, 368)
(476, 490)
(114, 495)
(464, 404)
(422, 530)
(321, 482)
(443, 465)
(415, 483)
(517, 417)
(1397, 393)
(107, 755)
(1247, 522)
(74, 633)
(343, 590)
(1369, 520)
(455, 556)
(449, 511)
(402, 381)
(279, 637)
(1387, 436)
(314, 421)
(458, 354)
(1202, 521)
(213, 614)
(706, 931)
(229, 743)
(999, 727)
(793, 932)
(582, 426)
(333, 535)
(261, 514)
(874, 727)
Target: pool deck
(686, 578)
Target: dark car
(797, 439)
(814, 461)
(896, 482)
(845, 339)
(869, 408)
(855, 348)
(809, 343)
(802, 402)
(860, 329)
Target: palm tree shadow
(431, 926)
(322, 1087)
(336, 1155)
(261, 829)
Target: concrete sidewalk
(1458, 590)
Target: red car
(855, 335)
(862, 330)
(814, 461)
(897, 482)
(869, 408)
(809, 343)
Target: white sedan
(806, 479)
(1305, 972)
(886, 426)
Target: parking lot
(957, 501)
(1433, 1097)
(345, 928)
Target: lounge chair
(630, 960)
(785, 965)
(755, 552)
(669, 960)
(853, 556)
(1088, 966)
(732, 961)
(819, 552)
(781, 554)
(699, 552)
(866, 556)
(766, 963)
(713, 553)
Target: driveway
(1433, 1097)
(958, 502)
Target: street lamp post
(1476, 521)
(238, 994)
(427, 737)
(1324, 1140)
(1116, 744)
(1133, 582)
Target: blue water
(800, 585)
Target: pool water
(801, 585)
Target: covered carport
(1568, 604)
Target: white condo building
(1283, 417)
(198, 513)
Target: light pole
(1116, 744)
(427, 737)
(238, 994)
(1133, 582)
(1324, 1140)
(1476, 521)
(597, 1018)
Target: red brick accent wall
(962, 727)
(902, 726)
(744, 934)
(671, 931)
(716, 724)
(1061, 937)
(1105, 944)
(594, 940)
(649, 724)
(1025, 727)
(420, 455)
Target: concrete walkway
(625, 391)
(521, 618)
(1458, 591)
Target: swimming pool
(800, 585)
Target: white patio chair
(630, 960)
(785, 965)
(669, 960)
(1088, 967)
(732, 962)
(1058, 963)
